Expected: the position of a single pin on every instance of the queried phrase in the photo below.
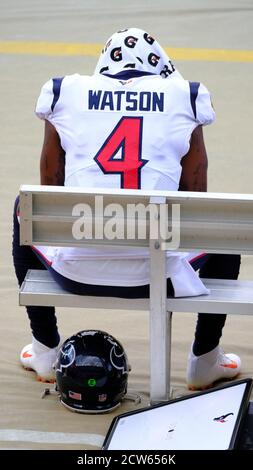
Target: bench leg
(160, 357)
(160, 326)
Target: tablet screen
(205, 420)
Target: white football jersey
(123, 134)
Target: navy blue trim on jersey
(56, 91)
(194, 88)
(126, 75)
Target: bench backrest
(212, 222)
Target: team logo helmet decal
(68, 355)
(102, 397)
(117, 358)
(131, 41)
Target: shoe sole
(48, 381)
(195, 388)
(39, 378)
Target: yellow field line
(217, 55)
(71, 49)
(49, 48)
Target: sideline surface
(93, 50)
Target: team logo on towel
(148, 38)
(104, 69)
(106, 46)
(153, 59)
(130, 41)
(116, 54)
(129, 66)
(166, 71)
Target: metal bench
(212, 222)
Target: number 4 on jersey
(127, 137)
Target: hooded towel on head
(134, 49)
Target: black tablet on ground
(209, 420)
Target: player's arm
(52, 160)
(194, 164)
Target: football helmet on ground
(91, 372)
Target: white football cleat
(204, 370)
(40, 359)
